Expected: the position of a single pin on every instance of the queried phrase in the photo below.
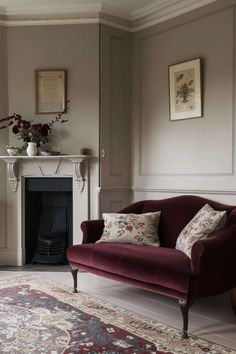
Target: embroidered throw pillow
(204, 224)
(141, 229)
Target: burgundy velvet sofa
(164, 270)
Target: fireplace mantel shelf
(76, 160)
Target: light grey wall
(3, 134)
(75, 48)
(194, 155)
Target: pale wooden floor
(211, 318)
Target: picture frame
(185, 99)
(51, 91)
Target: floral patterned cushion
(131, 228)
(204, 224)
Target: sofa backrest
(176, 213)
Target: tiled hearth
(21, 167)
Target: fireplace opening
(48, 219)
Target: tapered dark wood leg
(184, 307)
(232, 295)
(74, 273)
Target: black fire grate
(52, 236)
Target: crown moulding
(156, 12)
(171, 7)
(65, 9)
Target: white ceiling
(126, 6)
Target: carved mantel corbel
(11, 171)
(79, 171)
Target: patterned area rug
(39, 316)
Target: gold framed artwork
(51, 91)
(185, 90)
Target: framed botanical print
(185, 90)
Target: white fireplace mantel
(76, 160)
(19, 168)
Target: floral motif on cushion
(206, 222)
(139, 229)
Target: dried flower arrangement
(29, 131)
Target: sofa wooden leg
(184, 307)
(232, 295)
(74, 273)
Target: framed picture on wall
(50, 91)
(185, 90)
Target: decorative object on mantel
(29, 131)
(32, 149)
(13, 150)
(85, 151)
(49, 153)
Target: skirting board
(12, 256)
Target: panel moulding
(185, 191)
(116, 63)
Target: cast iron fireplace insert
(48, 219)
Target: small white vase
(32, 149)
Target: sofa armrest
(216, 253)
(92, 230)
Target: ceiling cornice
(153, 7)
(162, 11)
(79, 21)
(64, 9)
(32, 10)
(171, 7)
(110, 10)
(61, 21)
(144, 17)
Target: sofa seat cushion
(167, 267)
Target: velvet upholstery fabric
(137, 262)
(92, 230)
(176, 213)
(165, 270)
(140, 284)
